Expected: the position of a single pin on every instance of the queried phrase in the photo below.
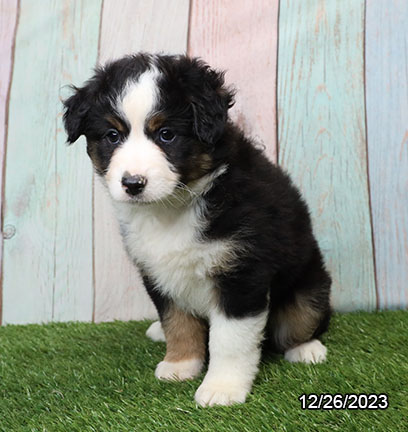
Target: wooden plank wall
(235, 36)
(8, 22)
(387, 126)
(322, 139)
(119, 290)
(47, 263)
(322, 85)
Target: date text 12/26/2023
(327, 401)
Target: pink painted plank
(241, 37)
(387, 131)
(8, 23)
(148, 25)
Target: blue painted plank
(8, 22)
(48, 187)
(387, 129)
(321, 135)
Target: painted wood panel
(322, 135)
(73, 285)
(48, 187)
(51, 242)
(241, 37)
(8, 22)
(151, 26)
(387, 133)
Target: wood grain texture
(241, 37)
(322, 135)
(152, 26)
(8, 22)
(387, 133)
(48, 187)
(73, 285)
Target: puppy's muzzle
(133, 185)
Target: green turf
(99, 377)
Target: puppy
(221, 236)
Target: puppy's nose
(133, 184)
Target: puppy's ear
(76, 108)
(210, 103)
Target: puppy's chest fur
(166, 243)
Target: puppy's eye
(166, 135)
(113, 136)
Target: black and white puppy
(221, 236)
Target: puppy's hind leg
(295, 328)
(309, 352)
(155, 332)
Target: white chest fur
(166, 242)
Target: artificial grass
(99, 377)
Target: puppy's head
(152, 123)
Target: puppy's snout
(133, 185)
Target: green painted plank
(8, 22)
(387, 132)
(48, 187)
(149, 25)
(321, 122)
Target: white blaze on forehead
(139, 99)
(138, 154)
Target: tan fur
(205, 162)
(115, 123)
(200, 165)
(155, 122)
(186, 335)
(295, 324)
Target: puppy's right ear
(76, 108)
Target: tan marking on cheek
(92, 153)
(199, 166)
(115, 123)
(186, 336)
(155, 122)
(205, 162)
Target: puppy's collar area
(203, 185)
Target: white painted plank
(152, 26)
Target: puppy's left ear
(210, 104)
(76, 108)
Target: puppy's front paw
(218, 392)
(178, 371)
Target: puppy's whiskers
(182, 186)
